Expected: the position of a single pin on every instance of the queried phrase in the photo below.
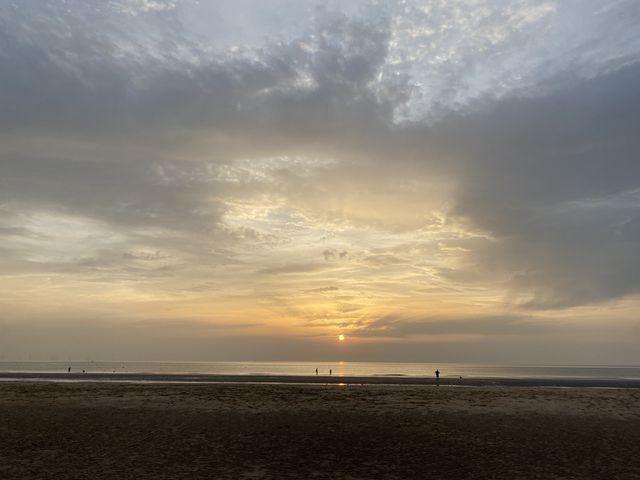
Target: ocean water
(338, 369)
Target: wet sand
(104, 430)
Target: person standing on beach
(438, 377)
(330, 372)
(69, 370)
(316, 371)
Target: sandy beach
(99, 430)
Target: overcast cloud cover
(438, 180)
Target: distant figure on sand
(437, 377)
(69, 370)
(330, 372)
(316, 371)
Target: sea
(346, 369)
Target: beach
(133, 430)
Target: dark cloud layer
(107, 80)
(554, 180)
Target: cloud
(108, 80)
(322, 290)
(493, 326)
(333, 253)
(292, 269)
(554, 182)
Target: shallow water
(355, 369)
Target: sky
(437, 180)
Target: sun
(341, 337)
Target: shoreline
(566, 382)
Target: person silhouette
(438, 377)
(316, 371)
(330, 372)
(69, 370)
